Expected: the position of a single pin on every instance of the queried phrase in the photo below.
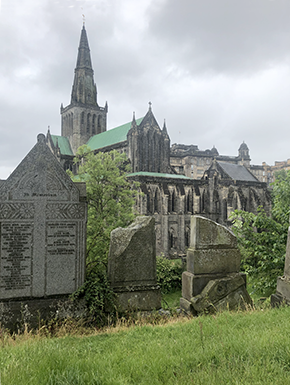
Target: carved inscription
(16, 240)
(61, 239)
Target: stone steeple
(84, 89)
(83, 117)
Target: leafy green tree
(111, 199)
(262, 239)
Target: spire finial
(150, 106)
(164, 127)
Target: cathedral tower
(83, 117)
(149, 146)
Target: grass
(250, 347)
(171, 300)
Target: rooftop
(110, 137)
(63, 144)
(159, 175)
(237, 172)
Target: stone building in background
(176, 181)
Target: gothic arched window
(94, 125)
(88, 123)
(99, 129)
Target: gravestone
(282, 294)
(42, 234)
(132, 265)
(212, 280)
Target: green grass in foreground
(171, 300)
(229, 348)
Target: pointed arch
(94, 125)
(88, 123)
(171, 238)
(187, 236)
(157, 201)
(99, 128)
(216, 202)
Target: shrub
(168, 274)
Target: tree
(110, 197)
(111, 201)
(262, 239)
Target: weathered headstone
(132, 265)
(282, 294)
(42, 234)
(212, 279)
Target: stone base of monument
(15, 314)
(226, 293)
(143, 298)
(212, 280)
(282, 295)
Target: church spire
(84, 90)
(84, 57)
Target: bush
(168, 274)
(99, 296)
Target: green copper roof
(113, 136)
(159, 175)
(63, 144)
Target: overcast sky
(218, 71)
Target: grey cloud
(223, 35)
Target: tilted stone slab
(192, 284)
(220, 294)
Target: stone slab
(132, 255)
(207, 234)
(283, 287)
(14, 314)
(193, 285)
(238, 299)
(186, 306)
(42, 229)
(213, 261)
(217, 291)
(287, 257)
(278, 300)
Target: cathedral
(177, 181)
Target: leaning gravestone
(212, 280)
(282, 294)
(132, 265)
(42, 236)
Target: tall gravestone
(213, 280)
(42, 235)
(132, 265)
